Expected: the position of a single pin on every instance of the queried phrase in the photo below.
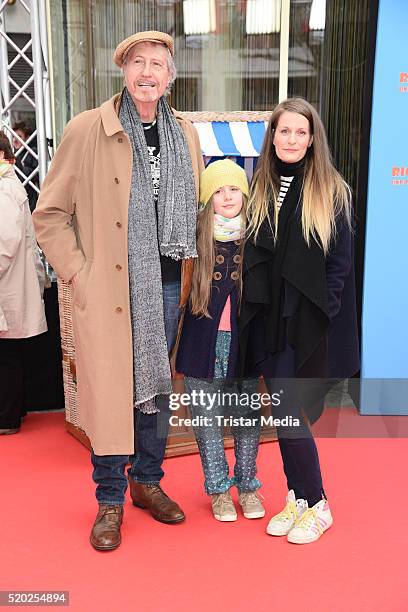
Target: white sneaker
(312, 524)
(282, 523)
(223, 507)
(251, 505)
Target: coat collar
(13, 185)
(110, 115)
(7, 170)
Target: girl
(298, 319)
(208, 349)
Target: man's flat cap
(151, 36)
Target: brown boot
(105, 533)
(152, 498)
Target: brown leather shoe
(151, 497)
(105, 533)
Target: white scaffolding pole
(40, 80)
(38, 74)
(4, 81)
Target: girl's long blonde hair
(325, 194)
(204, 266)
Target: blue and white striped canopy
(234, 138)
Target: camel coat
(81, 222)
(22, 274)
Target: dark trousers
(43, 385)
(11, 383)
(31, 369)
(150, 430)
(297, 445)
(302, 468)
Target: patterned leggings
(210, 438)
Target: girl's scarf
(226, 230)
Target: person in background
(116, 219)
(22, 277)
(26, 161)
(208, 350)
(298, 323)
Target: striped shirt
(284, 186)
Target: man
(25, 161)
(116, 215)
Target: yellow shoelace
(289, 511)
(305, 520)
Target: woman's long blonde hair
(204, 266)
(325, 194)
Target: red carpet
(48, 506)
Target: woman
(298, 320)
(21, 288)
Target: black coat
(318, 313)
(27, 163)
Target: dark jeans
(297, 446)
(150, 430)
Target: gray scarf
(172, 234)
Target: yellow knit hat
(219, 174)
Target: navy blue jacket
(196, 351)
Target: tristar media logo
(400, 175)
(403, 82)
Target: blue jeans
(150, 430)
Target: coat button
(118, 309)
(116, 180)
(118, 267)
(120, 139)
(237, 259)
(219, 259)
(118, 224)
(217, 276)
(234, 275)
